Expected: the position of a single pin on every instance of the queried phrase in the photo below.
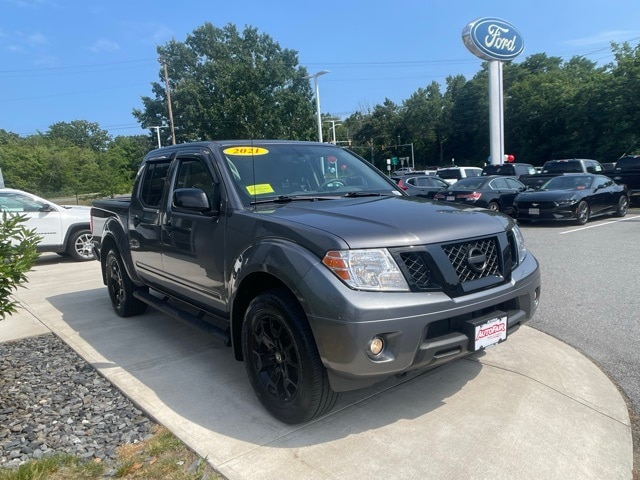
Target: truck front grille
(418, 270)
(457, 268)
(462, 254)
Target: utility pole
(166, 85)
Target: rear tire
(121, 288)
(282, 360)
(80, 245)
(583, 213)
(623, 206)
(493, 206)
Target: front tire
(80, 245)
(121, 288)
(583, 212)
(282, 360)
(623, 206)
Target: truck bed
(104, 208)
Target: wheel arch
(252, 285)
(114, 238)
(72, 230)
(270, 264)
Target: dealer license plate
(534, 211)
(490, 332)
(451, 199)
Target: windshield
(563, 166)
(499, 170)
(264, 171)
(449, 174)
(473, 183)
(568, 182)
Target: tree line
(225, 83)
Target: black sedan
(576, 197)
(421, 185)
(495, 192)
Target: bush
(17, 256)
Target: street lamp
(157, 129)
(315, 81)
(333, 129)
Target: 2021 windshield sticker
(245, 151)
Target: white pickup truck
(65, 229)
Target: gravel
(52, 401)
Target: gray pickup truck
(320, 273)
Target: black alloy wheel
(121, 288)
(583, 212)
(282, 360)
(623, 206)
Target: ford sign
(493, 39)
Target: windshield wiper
(289, 198)
(363, 194)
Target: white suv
(65, 229)
(452, 174)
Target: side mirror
(47, 208)
(191, 199)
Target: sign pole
(496, 41)
(496, 113)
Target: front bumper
(564, 212)
(420, 329)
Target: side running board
(194, 320)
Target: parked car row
(571, 196)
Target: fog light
(376, 345)
(536, 298)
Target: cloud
(23, 42)
(604, 38)
(34, 39)
(33, 3)
(104, 45)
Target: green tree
(119, 164)
(227, 84)
(17, 256)
(80, 133)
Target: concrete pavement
(530, 408)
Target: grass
(161, 457)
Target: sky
(65, 60)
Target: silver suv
(452, 174)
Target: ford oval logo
(493, 39)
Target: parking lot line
(599, 225)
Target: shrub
(17, 256)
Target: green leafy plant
(17, 255)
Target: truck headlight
(520, 249)
(367, 269)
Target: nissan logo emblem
(476, 259)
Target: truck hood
(391, 221)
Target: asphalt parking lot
(532, 407)
(590, 296)
(590, 293)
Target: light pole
(333, 129)
(315, 81)
(158, 133)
